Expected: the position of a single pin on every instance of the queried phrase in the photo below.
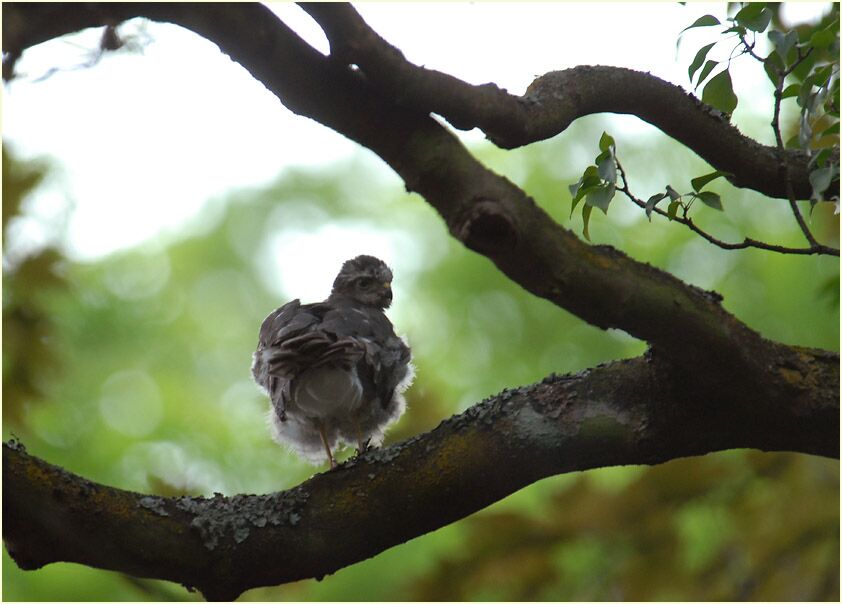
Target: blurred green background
(133, 371)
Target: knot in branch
(487, 227)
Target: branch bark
(630, 412)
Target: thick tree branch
(556, 100)
(631, 412)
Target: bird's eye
(364, 282)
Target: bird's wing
(384, 363)
(389, 356)
(297, 337)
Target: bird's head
(365, 279)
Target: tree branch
(637, 411)
(747, 242)
(556, 100)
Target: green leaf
(601, 197)
(710, 199)
(773, 67)
(832, 129)
(589, 180)
(652, 202)
(824, 38)
(783, 42)
(822, 74)
(701, 181)
(735, 29)
(590, 175)
(703, 21)
(606, 142)
(574, 191)
(792, 142)
(820, 158)
(607, 169)
(698, 60)
(673, 209)
(719, 93)
(805, 67)
(791, 90)
(754, 16)
(820, 180)
(805, 91)
(673, 194)
(817, 77)
(586, 216)
(705, 72)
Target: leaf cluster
(802, 64)
(598, 183)
(685, 201)
(806, 57)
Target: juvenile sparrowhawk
(335, 371)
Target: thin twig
(801, 58)
(745, 243)
(783, 169)
(749, 49)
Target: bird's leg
(362, 446)
(321, 429)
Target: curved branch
(555, 100)
(614, 414)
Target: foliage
(700, 529)
(30, 278)
(801, 63)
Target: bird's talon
(363, 447)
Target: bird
(335, 371)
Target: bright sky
(144, 140)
